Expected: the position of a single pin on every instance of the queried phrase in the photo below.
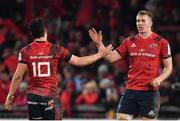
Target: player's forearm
(165, 74)
(16, 80)
(86, 60)
(100, 45)
(109, 58)
(112, 57)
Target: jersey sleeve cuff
(68, 57)
(22, 62)
(166, 57)
(119, 52)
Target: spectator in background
(102, 71)
(21, 99)
(89, 94)
(4, 86)
(66, 99)
(10, 60)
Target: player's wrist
(100, 54)
(100, 45)
(10, 97)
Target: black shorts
(140, 103)
(43, 108)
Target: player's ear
(151, 23)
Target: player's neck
(42, 39)
(145, 35)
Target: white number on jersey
(37, 69)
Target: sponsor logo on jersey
(153, 45)
(41, 57)
(142, 54)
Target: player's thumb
(100, 34)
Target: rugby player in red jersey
(41, 59)
(145, 50)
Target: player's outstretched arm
(97, 39)
(16, 80)
(86, 60)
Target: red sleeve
(165, 49)
(122, 48)
(65, 54)
(22, 56)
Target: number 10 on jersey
(37, 69)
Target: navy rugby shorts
(43, 108)
(140, 103)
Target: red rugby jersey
(42, 60)
(144, 59)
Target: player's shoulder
(56, 46)
(26, 48)
(132, 38)
(159, 38)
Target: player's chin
(140, 31)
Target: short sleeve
(65, 54)
(22, 56)
(165, 49)
(122, 48)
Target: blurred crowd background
(92, 91)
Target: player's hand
(8, 104)
(95, 36)
(103, 51)
(155, 82)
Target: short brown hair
(146, 12)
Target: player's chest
(145, 49)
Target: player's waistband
(36, 103)
(33, 99)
